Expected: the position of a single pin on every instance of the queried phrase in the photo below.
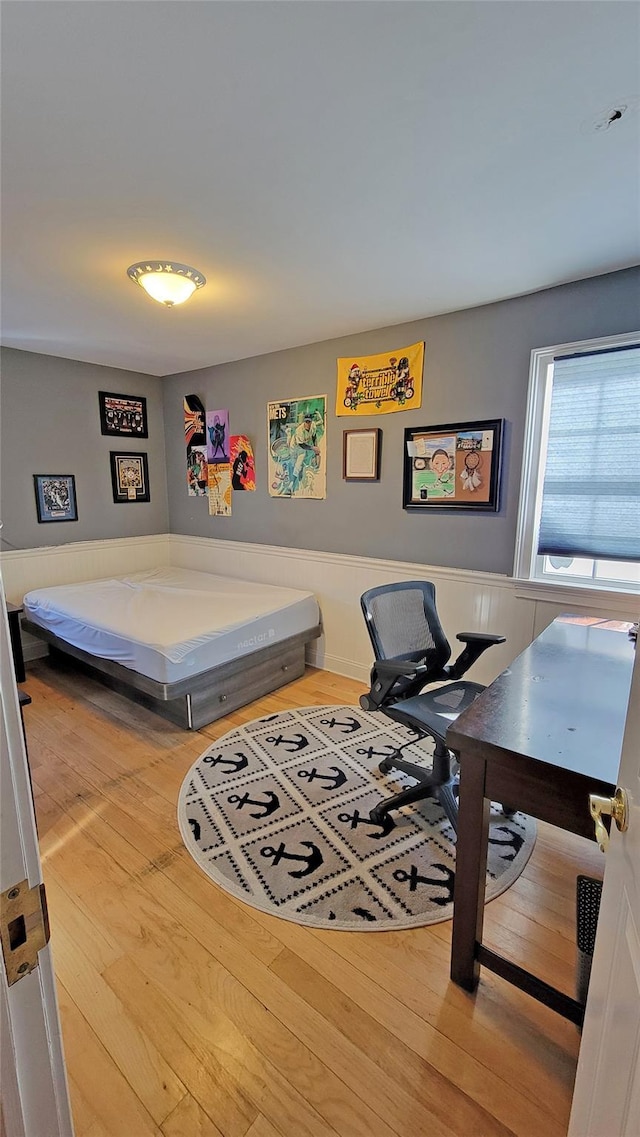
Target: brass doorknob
(615, 807)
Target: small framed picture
(361, 455)
(56, 497)
(123, 416)
(129, 476)
(453, 466)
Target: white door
(35, 1097)
(606, 1099)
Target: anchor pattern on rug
(231, 761)
(278, 813)
(413, 877)
(286, 742)
(353, 895)
(295, 859)
(311, 860)
(333, 778)
(265, 806)
(340, 724)
(255, 805)
(322, 780)
(509, 840)
(364, 837)
(203, 827)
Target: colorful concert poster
(243, 467)
(195, 444)
(218, 436)
(193, 421)
(219, 489)
(298, 447)
(380, 384)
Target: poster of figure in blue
(298, 447)
(217, 436)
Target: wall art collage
(121, 416)
(450, 466)
(218, 462)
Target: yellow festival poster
(380, 384)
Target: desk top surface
(563, 701)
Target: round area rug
(277, 813)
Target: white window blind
(591, 494)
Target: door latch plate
(24, 928)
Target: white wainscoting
(25, 569)
(467, 601)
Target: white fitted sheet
(170, 623)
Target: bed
(191, 645)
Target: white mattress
(171, 623)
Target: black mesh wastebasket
(588, 893)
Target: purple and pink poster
(217, 436)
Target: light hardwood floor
(187, 1014)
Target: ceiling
(329, 167)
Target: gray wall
(476, 366)
(50, 424)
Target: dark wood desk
(544, 735)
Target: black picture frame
(470, 481)
(55, 497)
(129, 476)
(361, 454)
(123, 416)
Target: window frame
(526, 569)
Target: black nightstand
(13, 612)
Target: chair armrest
(384, 675)
(399, 668)
(475, 643)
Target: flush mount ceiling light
(166, 281)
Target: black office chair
(412, 652)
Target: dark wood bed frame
(200, 699)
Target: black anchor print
(385, 826)
(232, 765)
(268, 807)
(369, 752)
(291, 744)
(349, 726)
(512, 839)
(313, 860)
(332, 781)
(413, 878)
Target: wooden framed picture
(56, 497)
(361, 455)
(129, 476)
(453, 466)
(123, 416)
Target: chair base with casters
(412, 653)
(423, 714)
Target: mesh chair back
(403, 624)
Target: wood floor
(188, 1014)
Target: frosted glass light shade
(167, 282)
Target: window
(579, 520)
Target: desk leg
(471, 873)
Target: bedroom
(513, 264)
